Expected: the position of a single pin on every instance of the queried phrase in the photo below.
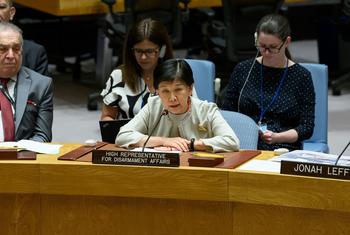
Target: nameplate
(135, 158)
(8, 154)
(315, 170)
(14, 154)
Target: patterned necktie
(6, 113)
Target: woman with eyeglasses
(129, 86)
(175, 120)
(273, 90)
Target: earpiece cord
(245, 82)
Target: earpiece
(255, 38)
(162, 51)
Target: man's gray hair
(7, 26)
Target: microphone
(336, 162)
(164, 113)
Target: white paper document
(261, 165)
(34, 146)
(312, 157)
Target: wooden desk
(69, 7)
(86, 7)
(48, 196)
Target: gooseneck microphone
(164, 113)
(336, 162)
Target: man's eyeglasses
(272, 50)
(149, 52)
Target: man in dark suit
(26, 96)
(34, 55)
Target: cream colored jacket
(203, 122)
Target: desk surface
(48, 196)
(189, 183)
(86, 7)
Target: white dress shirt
(11, 87)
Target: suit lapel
(23, 85)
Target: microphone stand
(164, 113)
(336, 162)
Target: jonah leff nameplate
(135, 158)
(315, 170)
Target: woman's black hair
(171, 70)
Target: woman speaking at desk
(175, 120)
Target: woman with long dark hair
(129, 86)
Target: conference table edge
(289, 190)
(47, 175)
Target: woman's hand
(109, 112)
(178, 143)
(271, 137)
(163, 148)
(198, 146)
(173, 143)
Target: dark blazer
(35, 57)
(34, 106)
